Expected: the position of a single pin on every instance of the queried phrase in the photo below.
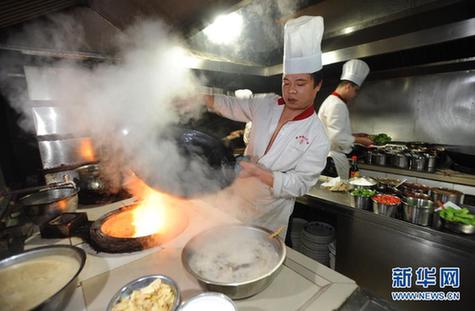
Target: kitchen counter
(341, 202)
(369, 246)
(302, 284)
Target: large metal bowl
(240, 234)
(143, 282)
(60, 298)
(48, 203)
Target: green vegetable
(458, 215)
(363, 192)
(381, 139)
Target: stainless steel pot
(400, 160)
(379, 158)
(236, 235)
(59, 300)
(444, 195)
(50, 202)
(385, 209)
(89, 179)
(361, 202)
(417, 162)
(431, 162)
(418, 211)
(369, 156)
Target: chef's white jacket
(335, 117)
(296, 157)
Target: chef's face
(299, 90)
(353, 91)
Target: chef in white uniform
(335, 116)
(287, 144)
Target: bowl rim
(233, 284)
(214, 294)
(24, 200)
(166, 278)
(11, 260)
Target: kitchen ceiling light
(225, 28)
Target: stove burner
(113, 232)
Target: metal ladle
(398, 185)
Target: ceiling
(369, 29)
(184, 15)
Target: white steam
(124, 106)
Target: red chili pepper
(387, 199)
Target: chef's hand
(249, 169)
(365, 141)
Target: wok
(205, 164)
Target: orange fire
(149, 216)
(87, 150)
(156, 214)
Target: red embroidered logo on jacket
(302, 139)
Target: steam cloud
(123, 106)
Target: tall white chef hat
(302, 45)
(355, 70)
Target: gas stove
(201, 215)
(16, 227)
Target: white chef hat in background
(355, 70)
(302, 45)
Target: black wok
(462, 155)
(206, 165)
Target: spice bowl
(385, 204)
(143, 283)
(361, 197)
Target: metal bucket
(361, 202)
(420, 214)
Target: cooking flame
(156, 212)
(149, 216)
(87, 150)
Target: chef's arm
(249, 169)
(209, 100)
(237, 109)
(363, 140)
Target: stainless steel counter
(341, 202)
(302, 284)
(369, 246)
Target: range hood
(387, 34)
